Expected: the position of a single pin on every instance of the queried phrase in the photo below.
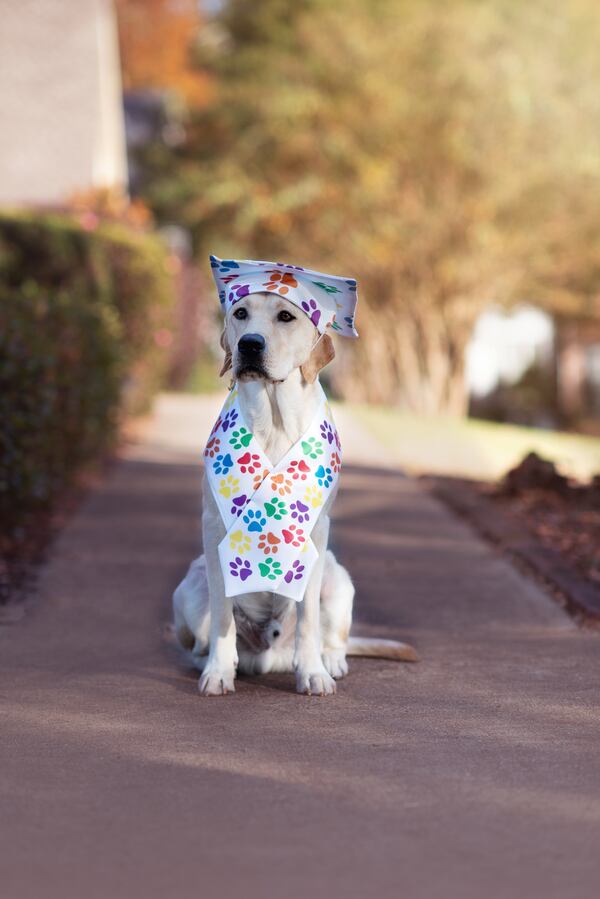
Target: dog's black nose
(251, 344)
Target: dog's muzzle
(251, 348)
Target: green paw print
(270, 569)
(312, 447)
(240, 438)
(276, 509)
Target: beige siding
(61, 121)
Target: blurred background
(447, 155)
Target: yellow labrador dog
(276, 353)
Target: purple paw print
(238, 504)
(229, 420)
(236, 293)
(337, 441)
(295, 573)
(240, 569)
(299, 511)
(312, 311)
(327, 432)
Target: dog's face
(268, 337)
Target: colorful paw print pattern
(223, 463)
(269, 510)
(276, 509)
(281, 484)
(254, 520)
(324, 476)
(314, 497)
(293, 535)
(240, 568)
(295, 573)
(249, 462)
(269, 543)
(213, 447)
(299, 511)
(229, 420)
(240, 542)
(315, 293)
(280, 282)
(270, 569)
(238, 504)
(312, 447)
(298, 469)
(240, 439)
(228, 486)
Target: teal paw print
(276, 509)
(270, 569)
(255, 520)
(323, 476)
(240, 438)
(312, 447)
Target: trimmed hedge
(79, 315)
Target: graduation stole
(270, 510)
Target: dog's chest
(258, 615)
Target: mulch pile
(562, 514)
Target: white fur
(263, 632)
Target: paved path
(473, 775)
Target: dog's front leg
(311, 675)
(219, 673)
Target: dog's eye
(240, 313)
(285, 316)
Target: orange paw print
(268, 543)
(280, 484)
(259, 478)
(280, 282)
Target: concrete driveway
(475, 773)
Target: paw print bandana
(269, 511)
(329, 301)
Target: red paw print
(335, 462)
(293, 535)
(249, 462)
(298, 470)
(213, 447)
(218, 424)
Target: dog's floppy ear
(322, 353)
(227, 360)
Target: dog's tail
(371, 647)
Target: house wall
(61, 118)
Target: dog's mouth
(250, 371)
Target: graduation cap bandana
(329, 301)
(270, 510)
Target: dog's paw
(216, 682)
(318, 683)
(335, 662)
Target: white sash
(269, 511)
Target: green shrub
(79, 315)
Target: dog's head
(268, 337)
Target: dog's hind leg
(337, 596)
(191, 612)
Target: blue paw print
(224, 265)
(223, 463)
(324, 476)
(254, 520)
